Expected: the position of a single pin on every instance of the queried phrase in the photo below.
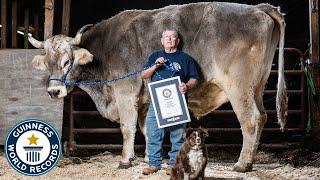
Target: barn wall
(23, 92)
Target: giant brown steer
(234, 44)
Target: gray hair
(175, 32)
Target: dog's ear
(204, 132)
(187, 133)
(184, 136)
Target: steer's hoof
(242, 169)
(124, 165)
(132, 159)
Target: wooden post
(14, 24)
(26, 28)
(314, 56)
(4, 23)
(49, 15)
(65, 17)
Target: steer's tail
(282, 98)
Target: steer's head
(61, 58)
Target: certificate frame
(169, 103)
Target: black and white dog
(191, 160)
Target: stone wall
(23, 92)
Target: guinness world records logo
(167, 93)
(32, 147)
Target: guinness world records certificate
(169, 103)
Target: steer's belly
(205, 98)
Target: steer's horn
(76, 40)
(35, 43)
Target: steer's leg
(128, 125)
(258, 97)
(143, 128)
(251, 121)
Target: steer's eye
(65, 63)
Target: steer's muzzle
(57, 91)
(54, 93)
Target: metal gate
(222, 124)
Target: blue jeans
(155, 139)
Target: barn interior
(86, 12)
(79, 108)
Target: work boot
(149, 170)
(169, 171)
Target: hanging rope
(311, 93)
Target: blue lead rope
(101, 82)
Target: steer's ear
(82, 56)
(38, 63)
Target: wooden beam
(314, 56)
(65, 17)
(49, 15)
(14, 24)
(4, 23)
(26, 27)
